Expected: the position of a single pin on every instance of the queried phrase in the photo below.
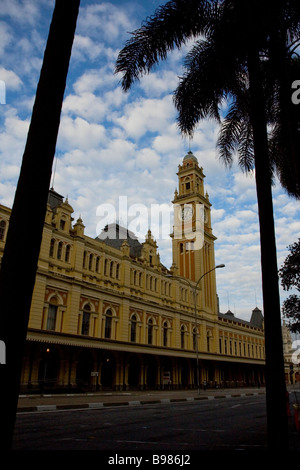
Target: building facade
(106, 314)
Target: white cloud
(159, 83)
(104, 20)
(21, 11)
(79, 133)
(6, 37)
(146, 115)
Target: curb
(163, 401)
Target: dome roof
(190, 156)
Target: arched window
(111, 269)
(52, 245)
(67, 254)
(85, 327)
(91, 261)
(208, 344)
(108, 323)
(182, 335)
(59, 250)
(62, 224)
(194, 339)
(52, 314)
(165, 334)
(150, 331)
(2, 229)
(133, 328)
(97, 264)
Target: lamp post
(194, 288)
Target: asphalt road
(237, 423)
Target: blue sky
(113, 144)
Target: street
(237, 423)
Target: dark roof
(114, 236)
(54, 199)
(256, 319)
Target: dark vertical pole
(20, 259)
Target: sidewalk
(101, 399)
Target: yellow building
(107, 314)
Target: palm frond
(169, 28)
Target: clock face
(187, 213)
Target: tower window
(188, 186)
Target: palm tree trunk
(277, 424)
(20, 259)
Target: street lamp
(194, 287)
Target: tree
(20, 258)
(233, 39)
(290, 277)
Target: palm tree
(19, 262)
(232, 40)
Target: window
(97, 264)
(59, 250)
(85, 327)
(108, 323)
(111, 269)
(52, 314)
(2, 229)
(194, 339)
(150, 331)
(91, 262)
(182, 334)
(52, 245)
(67, 254)
(165, 334)
(62, 224)
(133, 328)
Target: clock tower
(192, 238)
